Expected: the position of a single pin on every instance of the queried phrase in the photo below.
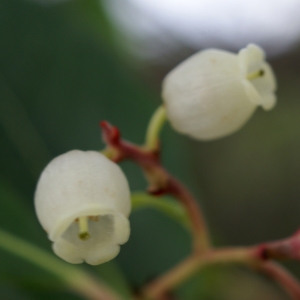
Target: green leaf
(10, 292)
(111, 274)
(72, 277)
(67, 79)
(91, 13)
(205, 284)
(18, 218)
(166, 205)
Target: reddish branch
(280, 275)
(161, 182)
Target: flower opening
(83, 202)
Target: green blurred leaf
(67, 80)
(111, 274)
(69, 275)
(91, 13)
(165, 205)
(157, 243)
(13, 292)
(9, 292)
(16, 272)
(205, 284)
(16, 217)
(19, 217)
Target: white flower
(82, 201)
(214, 92)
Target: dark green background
(62, 70)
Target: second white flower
(214, 92)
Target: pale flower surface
(214, 92)
(82, 200)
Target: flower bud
(82, 200)
(214, 92)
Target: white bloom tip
(214, 92)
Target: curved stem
(257, 257)
(201, 238)
(154, 128)
(191, 265)
(286, 280)
(76, 279)
(246, 256)
(160, 181)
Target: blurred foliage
(61, 72)
(56, 83)
(168, 206)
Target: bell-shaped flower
(214, 92)
(83, 201)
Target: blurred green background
(63, 68)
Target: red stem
(249, 256)
(160, 181)
(287, 281)
(200, 231)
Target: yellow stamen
(256, 74)
(83, 228)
